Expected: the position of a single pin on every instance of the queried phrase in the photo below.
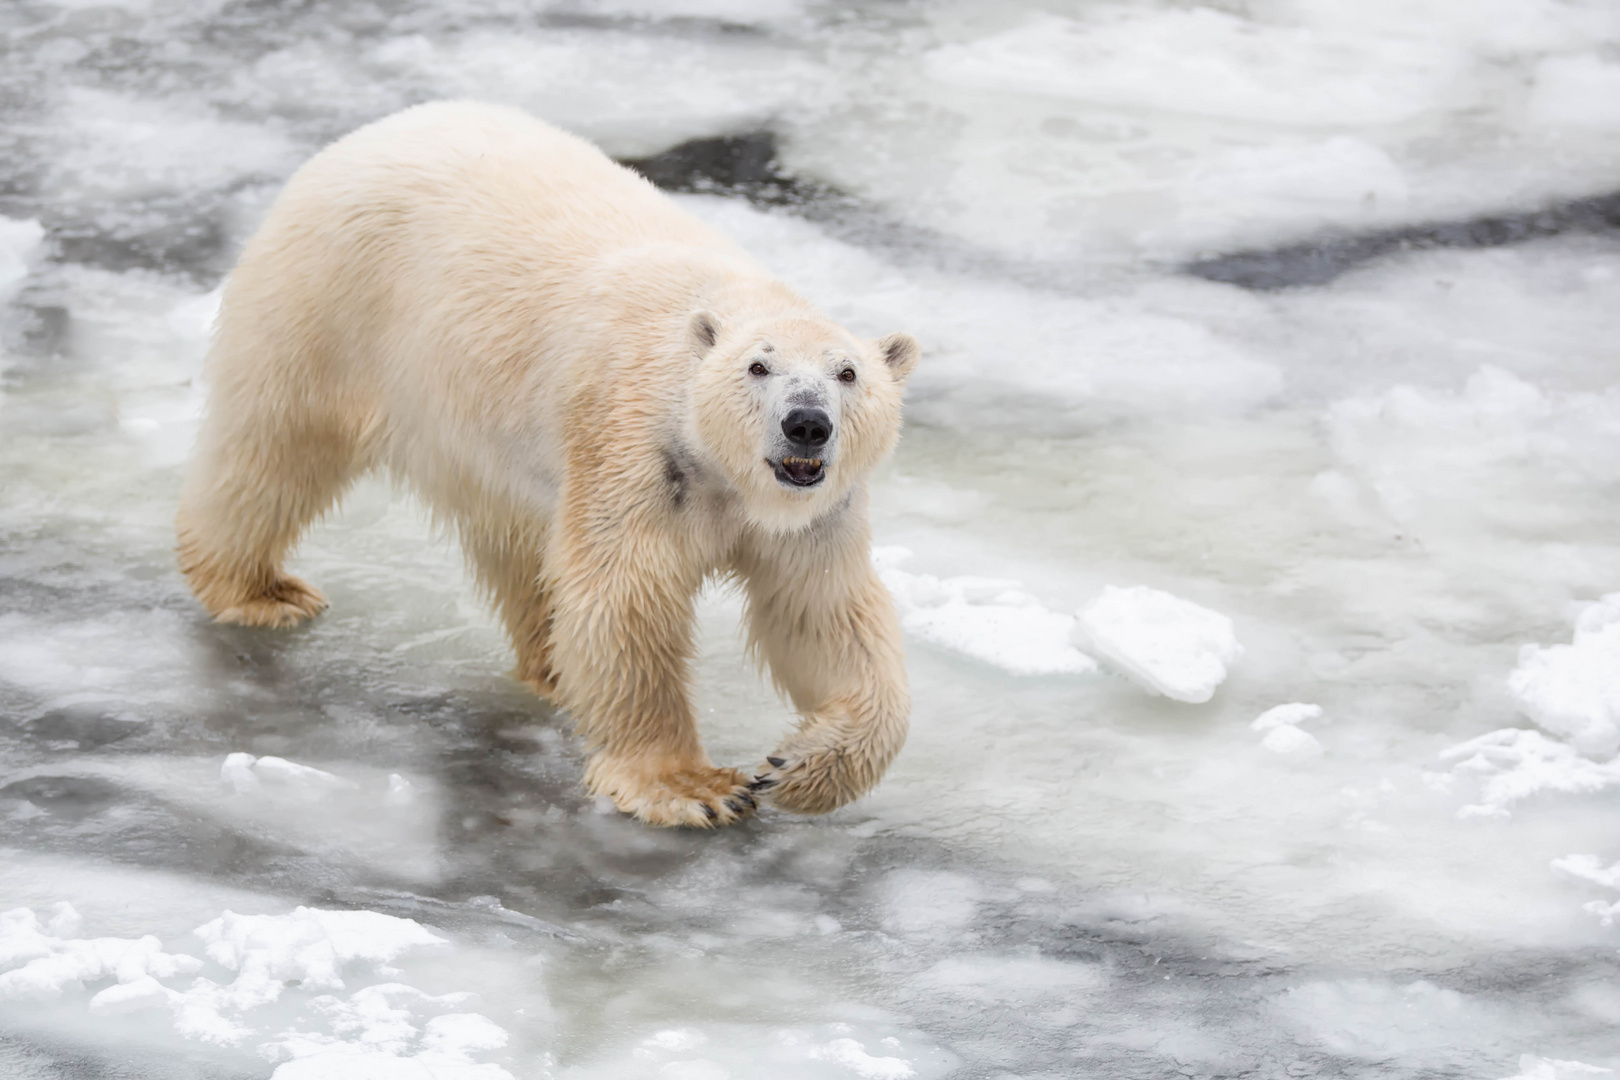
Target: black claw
(734, 806)
(749, 799)
(707, 809)
(762, 783)
(777, 762)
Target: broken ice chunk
(1290, 741)
(246, 773)
(1166, 644)
(1296, 712)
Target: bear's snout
(807, 430)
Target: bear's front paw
(813, 781)
(286, 601)
(699, 797)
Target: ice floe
(1166, 644)
(989, 619)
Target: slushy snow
(386, 1029)
(1161, 642)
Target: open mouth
(799, 471)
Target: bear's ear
(901, 352)
(704, 331)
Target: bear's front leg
(825, 624)
(622, 650)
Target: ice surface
(1169, 645)
(1399, 487)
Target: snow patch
(378, 1030)
(1165, 644)
(52, 961)
(989, 619)
(1574, 690)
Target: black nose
(807, 428)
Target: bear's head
(794, 409)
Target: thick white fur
(560, 361)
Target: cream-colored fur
(590, 384)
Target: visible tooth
(815, 463)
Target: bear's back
(457, 175)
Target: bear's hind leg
(251, 492)
(510, 568)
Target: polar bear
(609, 401)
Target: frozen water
(1398, 487)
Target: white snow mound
(1166, 644)
(1574, 690)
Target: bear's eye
(758, 369)
(847, 375)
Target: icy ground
(1266, 689)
